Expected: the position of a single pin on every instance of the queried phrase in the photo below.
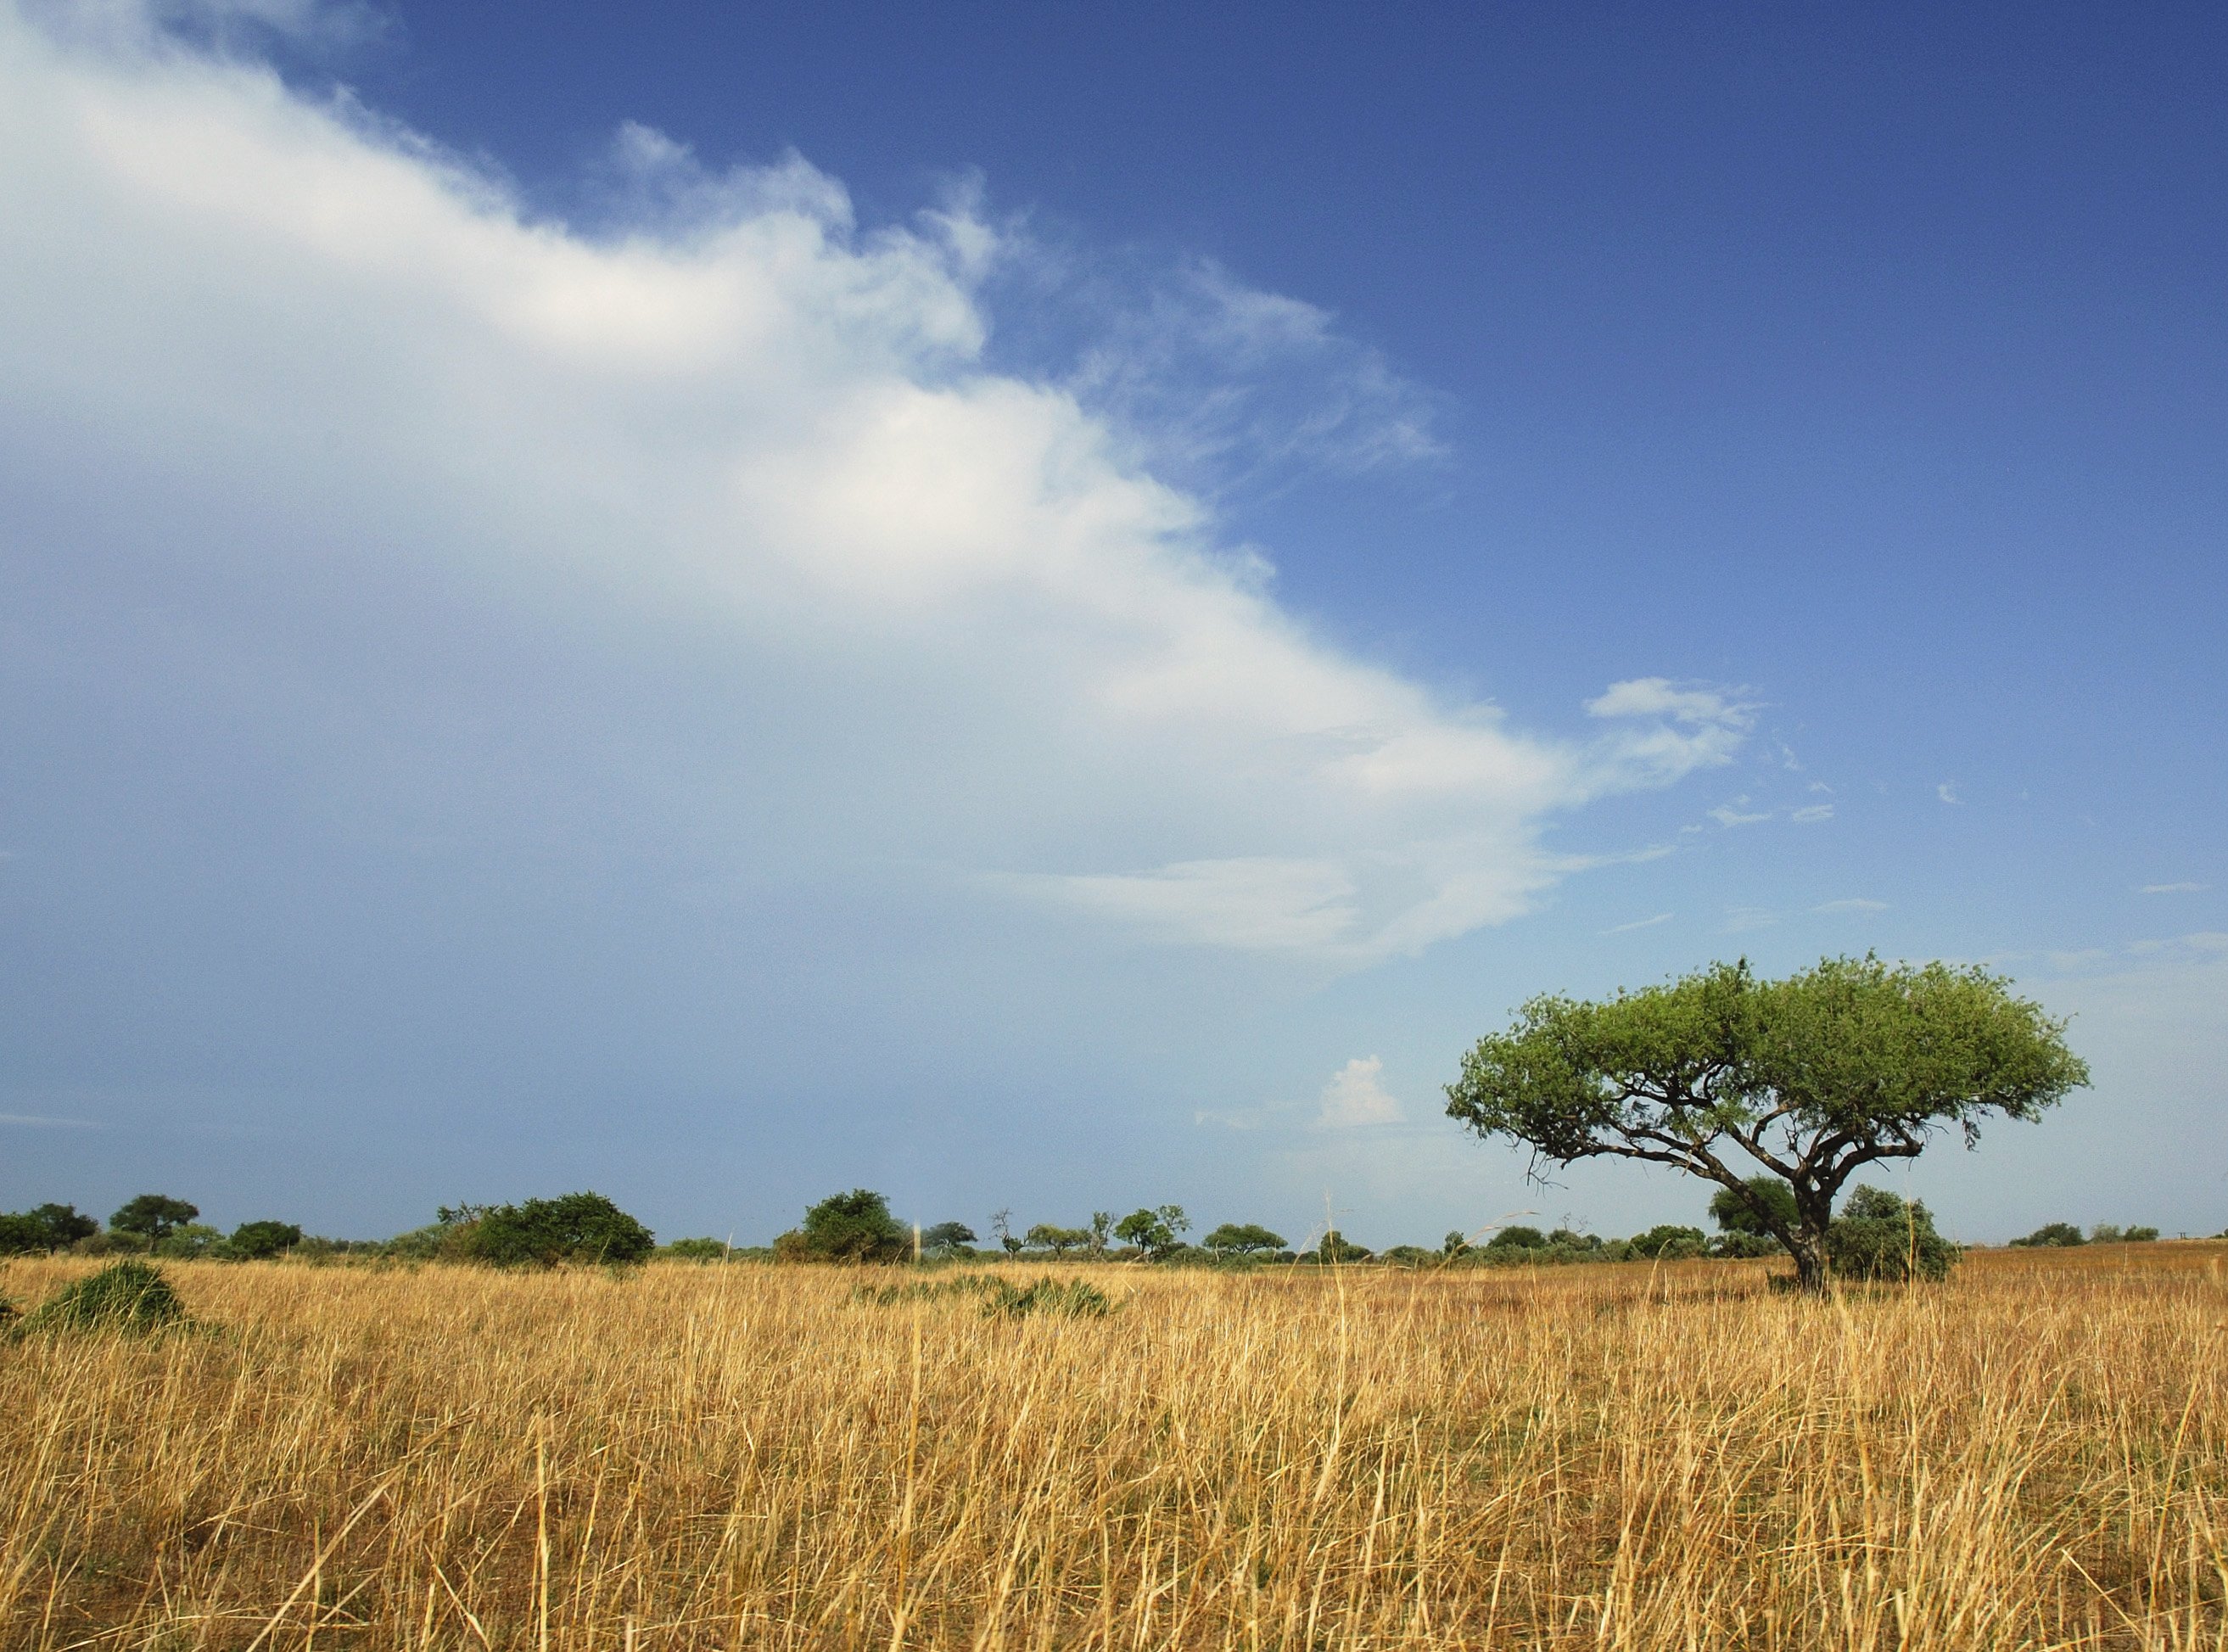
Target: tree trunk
(1809, 1248)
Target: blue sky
(1055, 608)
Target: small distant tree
(2140, 1236)
(1102, 1226)
(256, 1242)
(45, 1227)
(855, 1226)
(187, 1240)
(706, 1249)
(1881, 1237)
(542, 1232)
(1242, 1238)
(1456, 1243)
(153, 1216)
(1809, 1079)
(1336, 1247)
(1047, 1236)
(1154, 1231)
(2053, 1233)
(946, 1237)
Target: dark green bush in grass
(1880, 1238)
(129, 1296)
(542, 1232)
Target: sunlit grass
(2035, 1455)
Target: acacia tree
(1811, 1077)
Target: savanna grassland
(2035, 1455)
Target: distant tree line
(1875, 1235)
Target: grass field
(2033, 1456)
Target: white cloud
(1852, 905)
(2172, 888)
(1811, 815)
(960, 625)
(1354, 1098)
(33, 1121)
(1732, 814)
(1638, 923)
(1947, 792)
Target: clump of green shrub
(1879, 1237)
(1063, 1298)
(129, 1296)
(695, 1249)
(2052, 1233)
(542, 1232)
(854, 1227)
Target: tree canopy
(576, 1228)
(1809, 1078)
(1243, 1238)
(153, 1216)
(855, 1226)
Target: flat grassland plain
(2035, 1455)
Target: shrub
(542, 1232)
(695, 1249)
(111, 1244)
(1667, 1242)
(2053, 1233)
(256, 1242)
(1064, 1299)
(128, 1295)
(1879, 1237)
(2109, 1233)
(2140, 1236)
(1738, 1244)
(854, 1227)
(947, 1239)
(1410, 1256)
(1519, 1237)
(188, 1240)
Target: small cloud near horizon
(1947, 792)
(1354, 1096)
(1854, 904)
(2172, 888)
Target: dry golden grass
(2034, 1456)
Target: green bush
(129, 1296)
(854, 1227)
(188, 1240)
(1737, 1244)
(2052, 1233)
(1879, 1237)
(256, 1242)
(1519, 1237)
(695, 1249)
(1063, 1298)
(1667, 1242)
(111, 1244)
(1334, 1246)
(542, 1232)
(1411, 1256)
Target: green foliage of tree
(946, 1238)
(1737, 1211)
(854, 1227)
(153, 1216)
(1881, 1237)
(255, 1241)
(1047, 1236)
(1153, 1231)
(1518, 1237)
(1810, 1078)
(1409, 1256)
(1242, 1238)
(1334, 1246)
(2140, 1236)
(2112, 1233)
(2053, 1233)
(1102, 1227)
(45, 1227)
(1456, 1243)
(542, 1232)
